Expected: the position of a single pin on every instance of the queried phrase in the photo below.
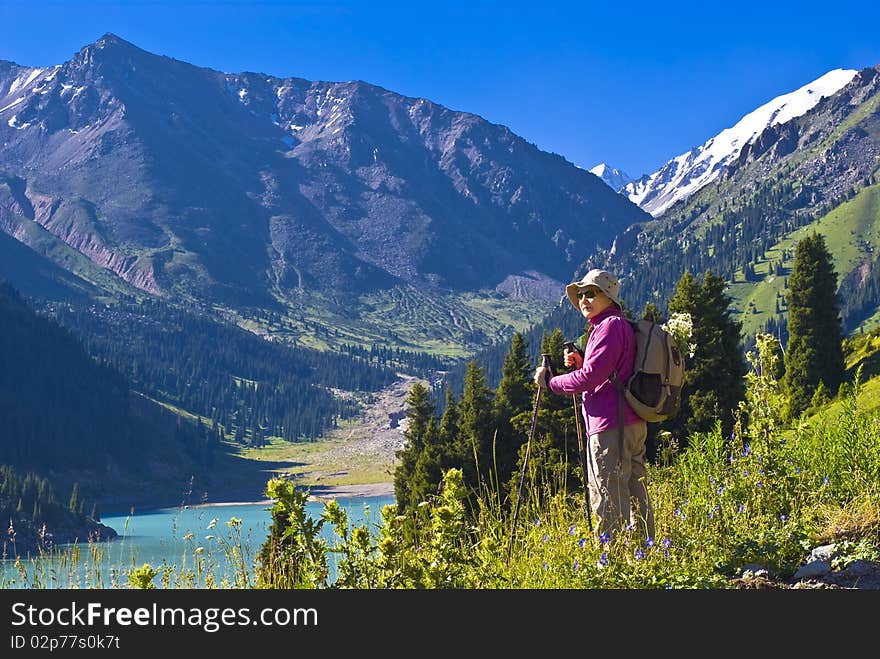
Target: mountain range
(329, 203)
(321, 213)
(684, 175)
(816, 172)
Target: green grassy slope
(851, 231)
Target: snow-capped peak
(613, 177)
(684, 175)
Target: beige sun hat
(601, 279)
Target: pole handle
(572, 347)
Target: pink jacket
(610, 347)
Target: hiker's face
(592, 301)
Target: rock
(812, 570)
(823, 553)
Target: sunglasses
(590, 293)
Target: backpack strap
(619, 386)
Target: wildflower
(745, 472)
(746, 450)
(825, 481)
(667, 543)
(603, 560)
(759, 484)
(630, 526)
(783, 517)
(721, 490)
(741, 508)
(639, 554)
(537, 521)
(797, 470)
(546, 567)
(572, 530)
(582, 543)
(544, 539)
(576, 565)
(212, 523)
(649, 542)
(604, 538)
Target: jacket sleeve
(600, 361)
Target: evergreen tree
(420, 414)
(714, 378)
(74, 498)
(449, 421)
(476, 427)
(429, 467)
(815, 336)
(554, 453)
(513, 396)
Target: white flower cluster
(681, 327)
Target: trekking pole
(569, 345)
(545, 362)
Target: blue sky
(629, 83)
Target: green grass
(445, 324)
(723, 506)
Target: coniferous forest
(247, 387)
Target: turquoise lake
(195, 540)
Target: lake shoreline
(316, 493)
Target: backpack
(654, 389)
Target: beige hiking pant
(618, 489)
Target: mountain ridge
(243, 189)
(685, 174)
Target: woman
(616, 461)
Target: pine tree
(476, 427)
(815, 336)
(420, 413)
(554, 449)
(74, 498)
(714, 377)
(513, 396)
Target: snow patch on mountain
(615, 178)
(684, 175)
